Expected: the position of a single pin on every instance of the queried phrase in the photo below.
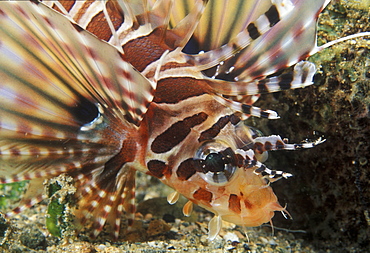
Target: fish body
(101, 89)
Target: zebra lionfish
(101, 89)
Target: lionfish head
(224, 174)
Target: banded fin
(274, 142)
(270, 143)
(289, 41)
(246, 109)
(259, 168)
(272, 14)
(68, 104)
(221, 20)
(98, 206)
(300, 77)
(33, 195)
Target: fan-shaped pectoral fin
(214, 227)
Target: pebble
(33, 238)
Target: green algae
(59, 220)
(10, 193)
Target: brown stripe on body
(158, 169)
(234, 203)
(186, 169)
(248, 204)
(213, 131)
(203, 195)
(174, 90)
(176, 133)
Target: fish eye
(216, 162)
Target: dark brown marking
(130, 222)
(259, 169)
(130, 208)
(280, 145)
(127, 75)
(239, 160)
(186, 169)
(174, 90)
(47, 20)
(264, 114)
(304, 56)
(203, 195)
(285, 82)
(234, 119)
(253, 31)
(92, 53)
(158, 168)
(215, 129)
(262, 88)
(246, 109)
(268, 146)
(234, 203)
(176, 133)
(248, 204)
(258, 147)
(272, 15)
(15, 152)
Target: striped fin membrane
(68, 103)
